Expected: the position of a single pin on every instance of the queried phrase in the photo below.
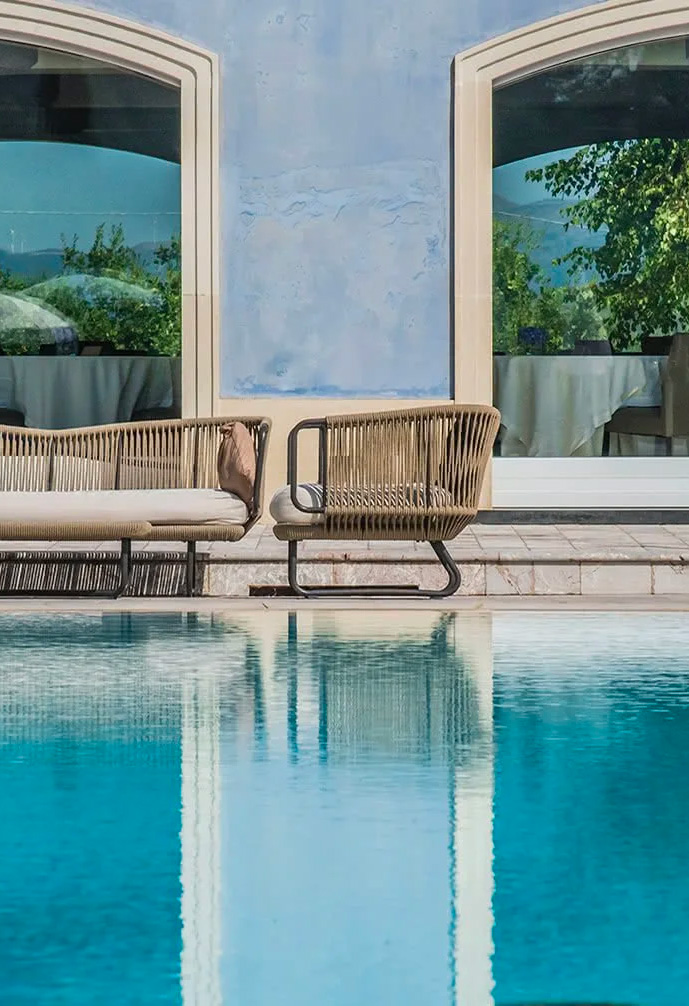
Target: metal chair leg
(125, 566)
(454, 579)
(292, 578)
(191, 569)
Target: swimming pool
(420, 809)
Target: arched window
(107, 247)
(571, 233)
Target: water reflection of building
(415, 687)
(344, 688)
(200, 839)
(109, 735)
(89, 813)
(358, 687)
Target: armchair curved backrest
(405, 463)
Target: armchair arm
(292, 462)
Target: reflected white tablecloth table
(59, 392)
(557, 406)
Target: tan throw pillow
(237, 462)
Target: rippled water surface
(411, 808)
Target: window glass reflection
(89, 241)
(590, 235)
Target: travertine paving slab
(559, 560)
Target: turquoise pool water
(333, 809)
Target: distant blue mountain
(47, 262)
(33, 265)
(546, 219)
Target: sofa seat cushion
(154, 506)
(283, 511)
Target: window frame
(533, 483)
(144, 50)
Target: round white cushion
(283, 510)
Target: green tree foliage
(523, 296)
(515, 284)
(636, 192)
(106, 257)
(126, 319)
(9, 281)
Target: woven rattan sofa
(403, 475)
(146, 481)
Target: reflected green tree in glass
(524, 296)
(636, 194)
(139, 310)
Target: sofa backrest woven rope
(163, 454)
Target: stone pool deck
(497, 560)
(494, 560)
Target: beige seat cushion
(155, 506)
(283, 511)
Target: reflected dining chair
(592, 347)
(146, 415)
(656, 345)
(11, 417)
(670, 418)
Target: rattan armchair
(403, 475)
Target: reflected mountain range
(46, 262)
(546, 218)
